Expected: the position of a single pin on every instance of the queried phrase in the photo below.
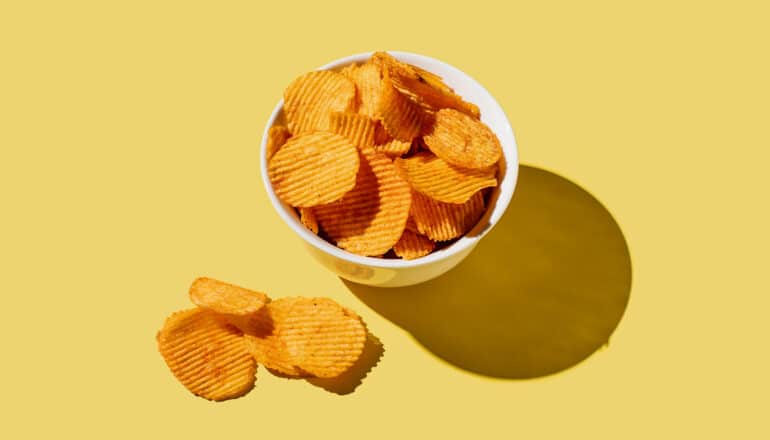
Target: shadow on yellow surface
(543, 291)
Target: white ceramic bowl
(392, 272)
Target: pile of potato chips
(214, 349)
(382, 156)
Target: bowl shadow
(542, 292)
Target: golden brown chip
(381, 135)
(401, 117)
(394, 148)
(264, 341)
(307, 217)
(222, 297)
(412, 245)
(424, 87)
(359, 129)
(206, 355)
(314, 168)
(442, 181)
(349, 70)
(368, 80)
(310, 99)
(410, 224)
(322, 337)
(444, 221)
(276, 137)
(369, 219)
(463, 141)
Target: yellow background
(129, 136)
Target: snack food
(413, 135)
(314, 168)
(215, 356)
(206, 355)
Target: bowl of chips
(390, 166)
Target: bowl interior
(491, 114)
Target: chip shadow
(542, 292)
(353, 377)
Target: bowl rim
(464, 243)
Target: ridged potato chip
(412, 245)
(410, 224)
(394, 148)
(307, 217)
(265, 343)
(206, 355)
(442, 181)
(463, 141)
(276, 137)
(424, 87)
(313, 169)
(401, 117)
(444, 221)
(322, 337)
(368, 81)
(222, 297)
(369, 219)
(359, 129)
(310, 99)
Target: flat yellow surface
(129, 137)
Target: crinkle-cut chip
(206, 355)
(349, 70)
(444, 221)
(381, 135)
(323, 338)
(307, 217)
(368, 80)
(442, 181)
(394, 148)
(310, 99)
(412, 245)
(359, 129)
(425, 88)
(463, 141)
(401, 117)
(276, 137)
(369, 219)
(226, 298)
(264, 342)
(410, 224)
(313, 169)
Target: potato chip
(264, 341)
(314, 168)
(442, 181)
(369, 219)
(444, 221)
(424, 87)
(394, 148)
(310, 99)
(276, 137)
(206, 355)
(401, 117)
(381, 135)
(349, 70)
(323, 338)
(410, 224)
(412, 245)
(368, 81)
(222, 297)
(463, 141)
(359, 129)
(307, 217)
